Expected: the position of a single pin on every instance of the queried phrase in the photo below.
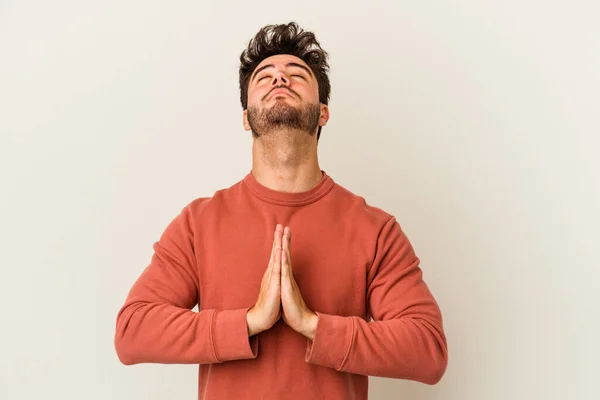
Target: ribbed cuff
(230, 339)
(332, 341)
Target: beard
(284, 116)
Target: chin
(282, 105)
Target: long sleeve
(405, 340)
(156, 324)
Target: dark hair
(285, 39)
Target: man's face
(283, 93)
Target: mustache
(280, 87)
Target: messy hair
(285, 39)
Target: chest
(331, 274)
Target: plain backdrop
(475, 123)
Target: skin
(284, 158)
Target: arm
(157, 325)
(406, 339)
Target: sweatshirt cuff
(230, 339)
(332, 341)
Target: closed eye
(268, 76)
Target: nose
(280, 79)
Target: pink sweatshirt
(353, 264)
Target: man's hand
(295, 312)
(267, 310)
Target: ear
(245, 120)
(324, 115)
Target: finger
(285, 271)
(277, 264)
(286, 268)
(275, 238)
(289, 237)
(272, 257)
(284, 239)
(287, 249)
(287, 288)
(289, 272)
(278, 233)
(288, 263)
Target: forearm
(163, 333)
(405, 348)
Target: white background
(474, 122)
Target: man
(276, 320)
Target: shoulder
(358, 207)
(201, 208)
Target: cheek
(252, 98)
(256, 94)
(308, 93)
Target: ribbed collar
(289, 199)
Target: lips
(280, 91)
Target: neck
(286, 161)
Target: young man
(303, 289)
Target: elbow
(436, 355)
(124, 350)
(437, 367)
(436, 375)
(130, 342)
(124, 345)
(123, 355)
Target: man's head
(284, 82)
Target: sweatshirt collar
(286, 198)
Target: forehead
(281, 59)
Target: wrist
(310, 328)
(251, 323)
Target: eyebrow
(290, 64)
